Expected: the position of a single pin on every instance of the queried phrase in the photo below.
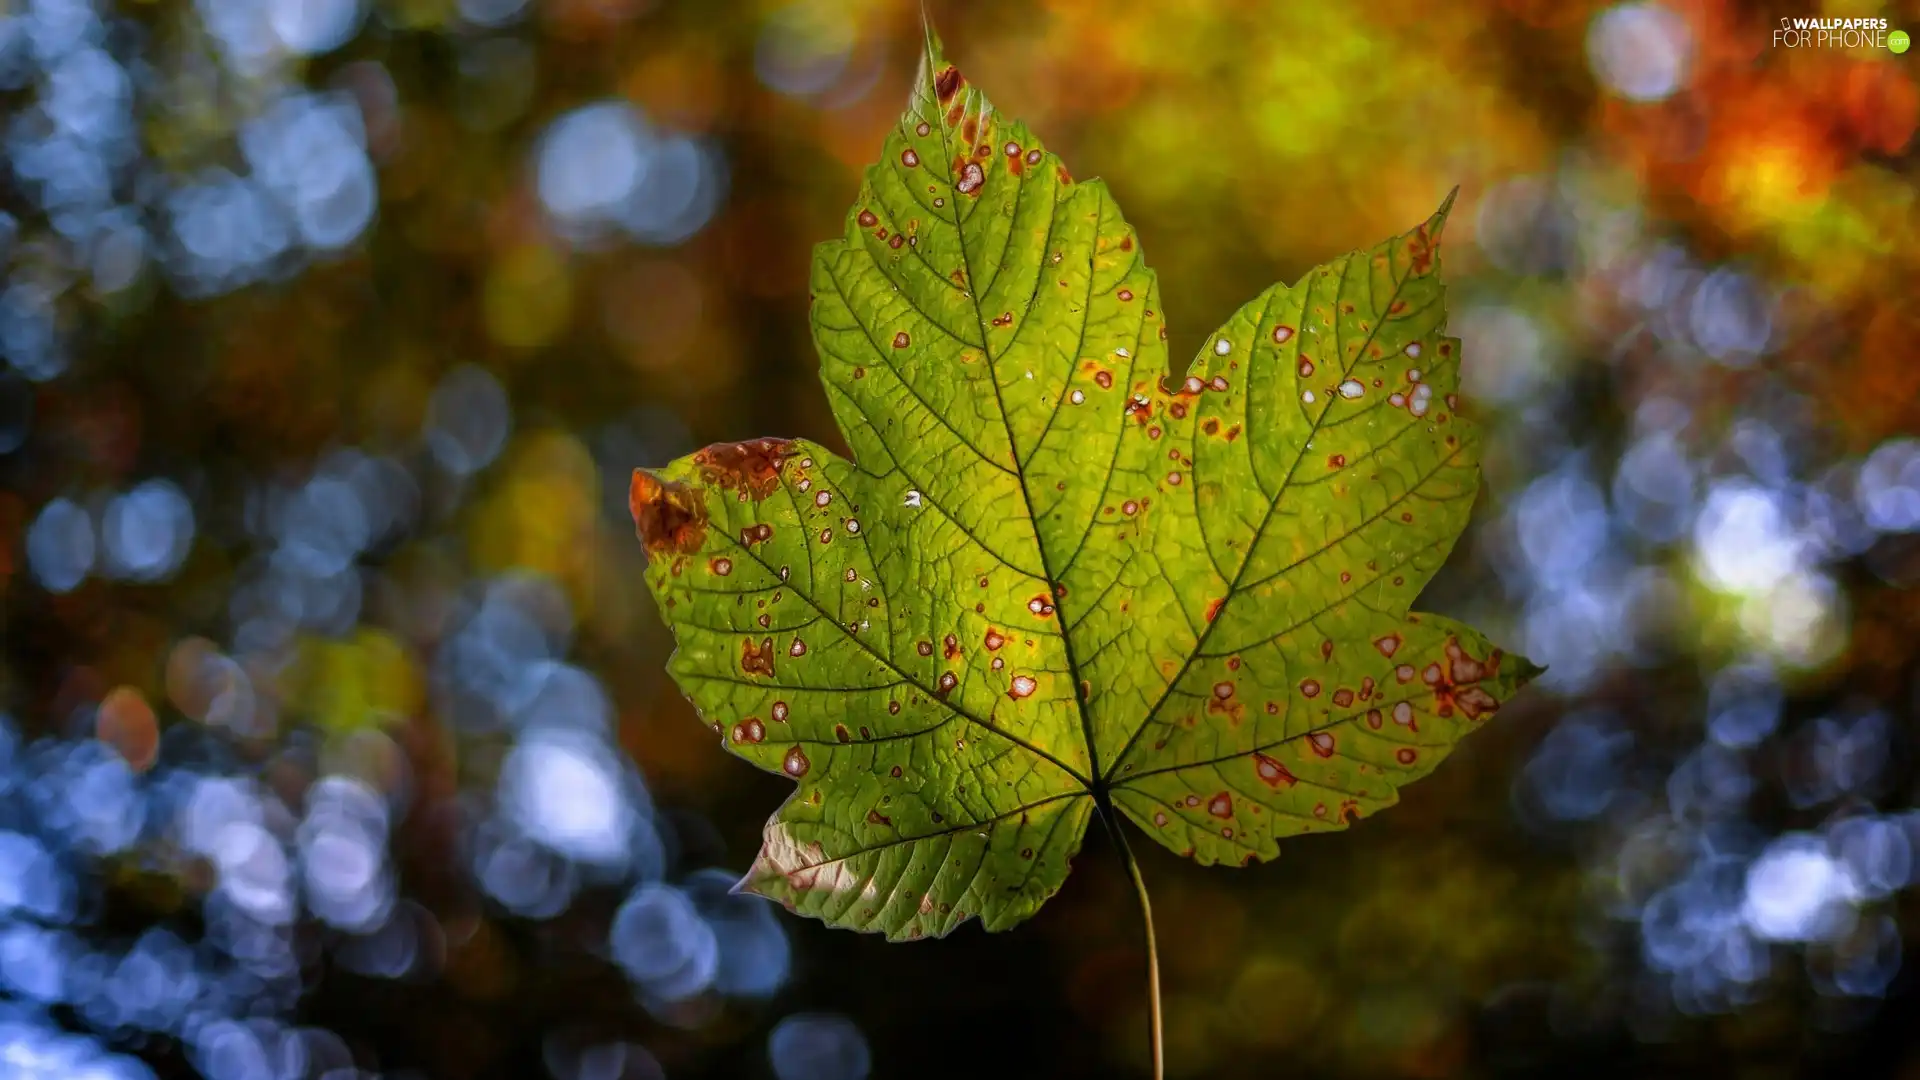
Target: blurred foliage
(338, 733)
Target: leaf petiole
(1155, 1038)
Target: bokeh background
(334, 738)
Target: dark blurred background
(334, 735)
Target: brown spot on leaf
(795, 764)
(947, 83)
(1455, 687)
(667, 516)
(757, 661)
(1214, 606)
(840, 732)
(1420, 249)
(1221, 805)
(1271, 772)
(752, 467)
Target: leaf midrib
(1074, 675)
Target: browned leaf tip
(667, 516)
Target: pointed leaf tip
(930, 33)
(939, 80)
(933, 52)
(1437, 224)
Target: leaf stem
(1156, 1040)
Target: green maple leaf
(1053, 582)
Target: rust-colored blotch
(795, 764)
(1271, 772)
(757, 661)
(752, 466)
(667, 516)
